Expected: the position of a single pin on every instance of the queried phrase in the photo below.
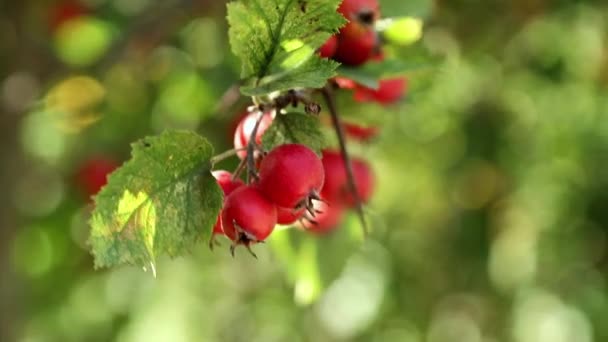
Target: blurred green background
(490, 219)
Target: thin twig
(335, 120)
(251, 147)
(225, 155)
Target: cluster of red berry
(294, 186)
(358, 43)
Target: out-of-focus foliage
(490, 222)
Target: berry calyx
(243, 131)
(288, 216)
(291, 175)
(329, 48)
(329, 217)
(361, 12)
(248, 217)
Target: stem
(225, 155)
(251, 147)
(335, 120)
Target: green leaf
(277, 40)
(160, 202)
(294, 128)
(370, 73)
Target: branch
(335, 120)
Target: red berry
(336, 188)
(329, 48)
(93, 174)
(248, 217)
(290, 175)
(356, 44)
(362, 12)
(389, 91)
(245, 128)
(228, 185)
(328, 218)
(289, 215)
(360, 133)
(66, 11)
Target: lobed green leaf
(162, 201)
(277, 40)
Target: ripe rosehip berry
(356, 45)
(363, 12)
(228, 185)
(93, 174)
(359, 132)
(248, 217)
(389, 91)
(329, 48)
(328, 217)
(66, 11)
(336, 189)
(243, 131)
(291, 175)
(289, 215)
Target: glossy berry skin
(364, 12)
(389, 91)
(359, 132)
(328, 219)
(290, 174)
(356, 45)
(93, 174)
(329, 48)
(288, 216)
(248, 217)
(243, 131)
(228, 185)
(336, 188)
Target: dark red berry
(359, 132)
(389, 91)
(356, 45)
(248, 217)
(329, 48)
(289, 215)
(93, 174)
(66, 11)
(336, 189)
(290, 175)
(228, 185)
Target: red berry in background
(66, 11)
(356, 45)
(328, 218)
(329, 48)
(93, 174)
(336, 189)
(360, 133)
(228, 185)
(389, 91)
(248, 217)
(245, 128)
(289, 215)
(290, 175)
(363, 12)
